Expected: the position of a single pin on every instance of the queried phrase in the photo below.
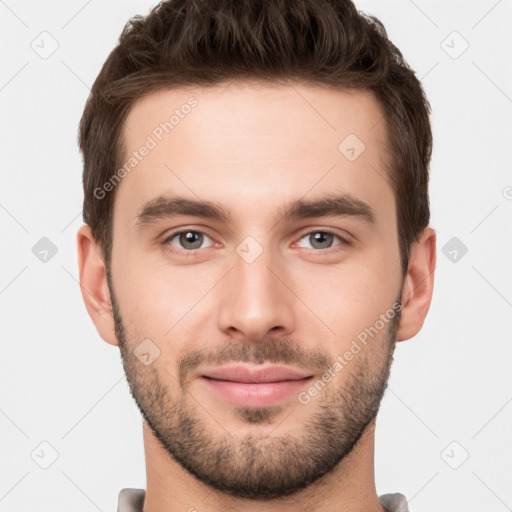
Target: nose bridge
(254, 300)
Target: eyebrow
(334, 205)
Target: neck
(350, 486)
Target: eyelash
(330, 250)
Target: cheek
(347, 299)
(159, 300)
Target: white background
(61, 384)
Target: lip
(246, 374)
(254, 387)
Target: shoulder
(131, 500)
(394, 502)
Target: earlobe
(94, 286)
(418, 285)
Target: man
(289, 144)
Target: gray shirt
(132, 500)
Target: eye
(323, 239)
(188, 240)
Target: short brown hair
(207, 42)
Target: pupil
(320, 238)
(193, 238)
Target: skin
(252, 148)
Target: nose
(255, 299)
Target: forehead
(255, 145)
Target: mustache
(272, 350)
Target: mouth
(254, 387)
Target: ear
(94, 286)
(418, 285)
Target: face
(255, 279)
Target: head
(256, 131)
